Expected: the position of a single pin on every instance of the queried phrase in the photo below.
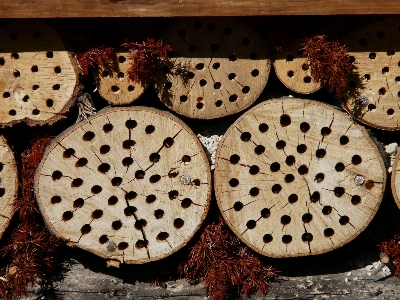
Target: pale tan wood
(173, 8)
(38, 81)
(114, 84)
(336, 150)
(165, 210)
(8, 184)
(395, 180)
(220, 67)
(373, 93)
(292, 69)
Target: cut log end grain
(395, 180)
(297, 177)
(293, 71)
(8, 184)
(128, 184)
(38, 79)
(373, 91)
(217, 68)
(114, 84)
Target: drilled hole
(168, 142)
(245, 136)
(130, 195)
(218, 103)
(56, 199)
(232, 57)
(286, 239)
(105, 149)
(344, 140)
(121, 59)
(199, 105)
(382, 91)
(276, 188)
(35, 112)
(275, 167)
(57, 70)
(304, 127)
(234, 159)
(301, 148)
(168, 85)
(162, 236)
(290, 73)
(86, 229)
(339, 167)
(238, 206)
(88, 136)
(77, 182)
(233, 182)
(254, 191)
(233, 98)
(355, 199)
(15, 55)
(34, 69)
(267, 238)
(245, 89)
(56, 175)
(369, 185)
(130, 211)
(130, 124)
(78, 203)
(96, 189)
(116, 181)
(139, 174)
(123, 246)
(185, 203)
(178, 223)
(371, 107)
(326, 210)
(16, 73)
(6, 95)
(338, 191)
(260, 149)
(68, 153)
(344, 220)
(303, 169)
(154, 178)
(305, 67)
(159, 213)
(217, 85)
(116, 225)
(265, 212)
(149, 129)
(319, 177)
(315, 197)
(289, 178)
(390, 111)
(196, 182)
(81, 162)
(173, 194)
(49, 102)
(103, 239)
(97, 214)
(328, 232)
(2, 61)
(151, 198)
(107, 127)
(173, 173)
(385, 70)
(112, 200)
(293, 198)
(67, 215)
(251, 224)
(307, 218)
(254, 170)
(127, 144)
(263, 127)
(356, 160)
(390, 52)
(285, 120)
(216, 66)
(255, 73)
(141, 244)
(104, 168)
(372, 55)
(12, 112)
(280, 144)
(127, 161)
(183, 98)
(307, 79)
(285, 219)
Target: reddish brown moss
(329, 63)
(144, 57)
(95, 56)
(391, 246)
(225, 264)
(31, 249)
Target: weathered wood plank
(171, 8)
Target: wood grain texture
(114, 84)
(38, 81)
(219, 68)
(293, 71)
(395, 180)
(113, 184)
(373, 93)
(172, 8)
(8, 184)
(285, 178)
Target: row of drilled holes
(35, 87)
(203, 83)
(306, 237)
(306, 79)
(36, 35)
(15, 55)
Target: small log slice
(373, 92)
(218, 68)
(114, 84)
(395, 182)
(293, 71)
(8, 184)
(38, 81)
(128, 184)
(297, 177)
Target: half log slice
(395, 183)
(8, 184)
(128, 184)
(114, 84)
(373, 92)
(297, 177)
(293, 71)
(38, 80)
(218, 68)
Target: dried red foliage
(329, 63)
(391, 246)
(95, 56)
(31, 249)
(144, 57)
(225, 264)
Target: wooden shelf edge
(182, 8)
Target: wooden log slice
(114, 84)
(8, 184)
(219, 67)
(38, 81)
(373, 92)
(297, 177)
(293, 71)
(128, 184)
(395, 181)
